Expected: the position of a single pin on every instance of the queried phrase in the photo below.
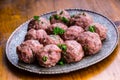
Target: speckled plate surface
(108, 46)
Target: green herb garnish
(65, 20)
(50, 18)
(63, 47)
(58, 30)
(61, 12)
(56, 17)
(44, 58)
(91, 28)
(36, 18)
(61, 62)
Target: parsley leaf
(50, 18)
(36, 18)
(61, 12)
(61, 62)
(91, 28)
(65, 20)
(62, 46)
(44, 58)
(58, 30)
(56, 17)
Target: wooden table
(15, 12)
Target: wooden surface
(15, 12)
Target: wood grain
(15, 12)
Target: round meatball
(27, 50)
(53, 39)
(60, 25)
(100, 29)
(49, 56)
(59, 17)
(90, 41)
(82, 20)
(74, 51)
(73, 32)
(40, 35)
(42, 23)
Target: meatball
(90, 41)
(100, 29)
(61, 16)
(40, 35)
(74, 51)
(72, 32)
(49, 56)
(53, 39)
(82, 20)
(27, 50)
(60, 25)
(42, 23)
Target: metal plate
(108, 46)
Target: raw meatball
(90, 41)
(50, 55)
(82, 20)
(42, 23)
(73, 32)
(40, 35)
(60, 25)
(53, 39)
(57, 18)
(74, 51)
(27, 50)
(100, 29)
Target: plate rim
(67, 70)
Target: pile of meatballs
(64, 38)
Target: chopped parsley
(91, 28)
(44, 58)
(63, 47)
(61, 62)
(56, 17)
(50, 18)
(65, 20)
(36, 18)
(58, 30)
(61, 12)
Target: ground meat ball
(50, 55)
(90, 41)
(60, 14)
(27, 50)
(100, 29)
(74, 51)
(82, 20)
(53, 39)
(42, 23)
(60, 25)
(73, 32)
(36, 35)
